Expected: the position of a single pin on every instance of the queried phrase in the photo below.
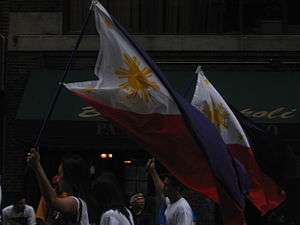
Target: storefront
(268, 97)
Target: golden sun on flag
(206, 82)
(88, 90)
(138, 84)
(217, 114)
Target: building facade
(256, 39)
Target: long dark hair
(108, 195)
(76, 181)
(76, 176)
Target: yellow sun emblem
(88, 90)
(138, 84)
(217, 115)
(205, 81)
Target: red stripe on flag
(265, 194)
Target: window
(135, 180)
(153, 17)
(192, 16)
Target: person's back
(111, 206)
(178, 212)
(114, 217)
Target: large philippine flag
(264, 192)
(132, 92)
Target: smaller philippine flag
(264, 193)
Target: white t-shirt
(114, 217)
(28, 215)
(178, 213)
(84, 213)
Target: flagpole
(67, 69)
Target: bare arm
(159, 185)
(68, 205)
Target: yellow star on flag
(88, 90)
(138, 83)
(217, 114)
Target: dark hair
(76, 181)
(76, 175)
(176, 184)
(17, 197)
(108, 195)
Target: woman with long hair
(74, 175)
(111, 205)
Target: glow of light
(103, 155)
(127, 161)
(110, 155)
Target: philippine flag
(132, 93)
(264, 193)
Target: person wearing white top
(111, 204)
(114, 217)
(178, 211)
(19, 213)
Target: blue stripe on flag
(206, 135)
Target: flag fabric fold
(264, 193)
(132, 92)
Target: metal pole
(3, 120)
(67, 69)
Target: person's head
(172, 187)
(74, 174)
(137, 202)
(56, 184)
(107, 193)
(19, 202)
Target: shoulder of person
(184, 205)
(7, 209)
(72, 199)
(28, 207)
(110, 212)
(184, 201)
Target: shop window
(135, 180)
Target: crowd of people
(71, 199)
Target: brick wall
(4, 6)
(36, 5)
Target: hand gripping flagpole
(67, 69)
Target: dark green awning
(268, 97)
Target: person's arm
(41, 212)
(159, 185)
(68, 204)
(31, 217)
